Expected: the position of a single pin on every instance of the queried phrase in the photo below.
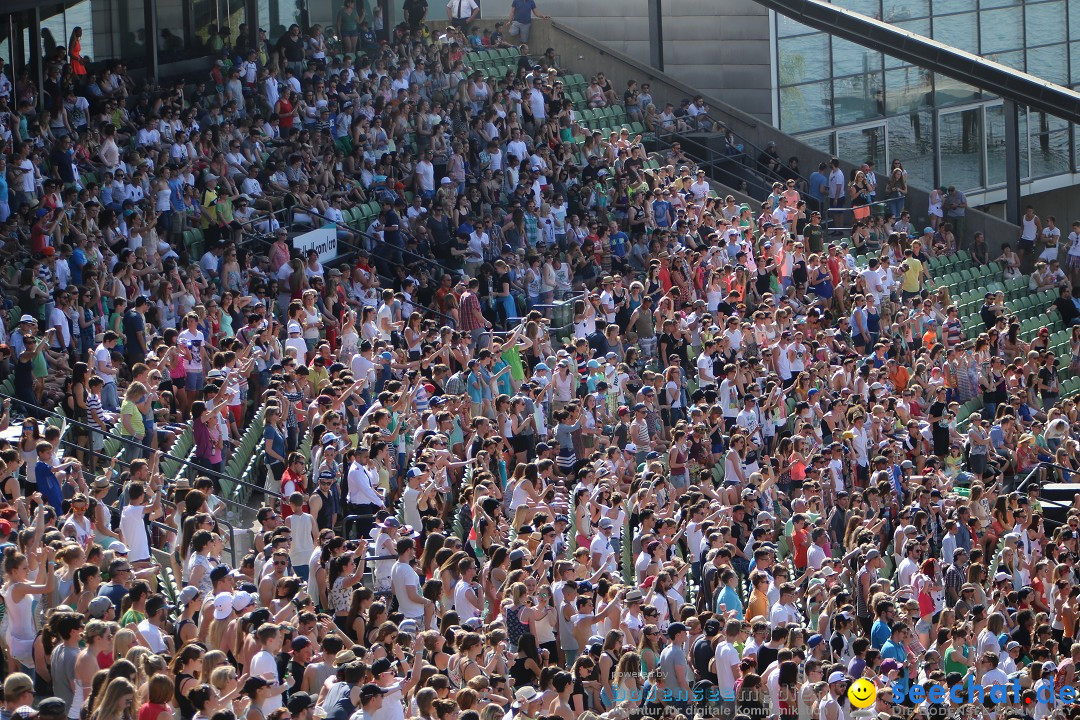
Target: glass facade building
(186, 29)
(858, 104)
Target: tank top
(566, 632)
(187, 710)
(1029, 229)
(20, 628)
(325, 511)
(544, 630)
(862, 606)
(514, 627)
(338, 702)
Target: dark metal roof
(990, 76)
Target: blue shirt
(817, 181)
(523, 10)
(49, 486)
(880, 634)
(896, 652)
(731, 600)
(618, 244)
(277, 441)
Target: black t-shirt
(799, 273)
(1067, 309)
(292, 47)
(1048, 377)
(939, 409)
(133, 323)
(702, 654)
(990, 316)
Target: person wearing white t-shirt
(727, 662)
(467, 599)
(704, 361)
(264, 665)
(405, 583)
(601, 553)
(193, 343)
(132, 527)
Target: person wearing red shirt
(294, 479)
(800, 540)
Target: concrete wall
(720, 47)
(1063, 204)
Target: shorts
(193, 381)
(1074, 262)
(1023, 244)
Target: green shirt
(131, 411)
(132, 616)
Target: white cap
(239, 601)
(836, 677)
(223, 605)
(294, 327)
(119, 548)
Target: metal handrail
(745, 143)
(120, 438)
(719, 168)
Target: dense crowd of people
(732, 485)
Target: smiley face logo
(862, 693)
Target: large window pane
(911, 141)
(204, 17)
(954, 6)
(804, 59)
(79, 16)
(984, 4)
(805, 107)
(236, 15)
(859, 146)
(133, 31)
(919, 27)
(1049, 63)
(1049, 142)
(53, 31)
(995, 145)
(851, 59)
(960, 31)
(1074, 60)
(1001, 29)
(866, 7)
(1013, 59)
(953, 92)
(907, 90)
(895, 11)
(822, 142)
(1074, 15)
(1044, 22)
(786, 27)
(858, 98)
(173, 41)
(960, 144)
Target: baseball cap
(16, 684)
(186, 595)
(299, 702)
(370, 690)
(223, 605)
(98, 607)
(837, 677)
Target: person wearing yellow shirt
(914, 274)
